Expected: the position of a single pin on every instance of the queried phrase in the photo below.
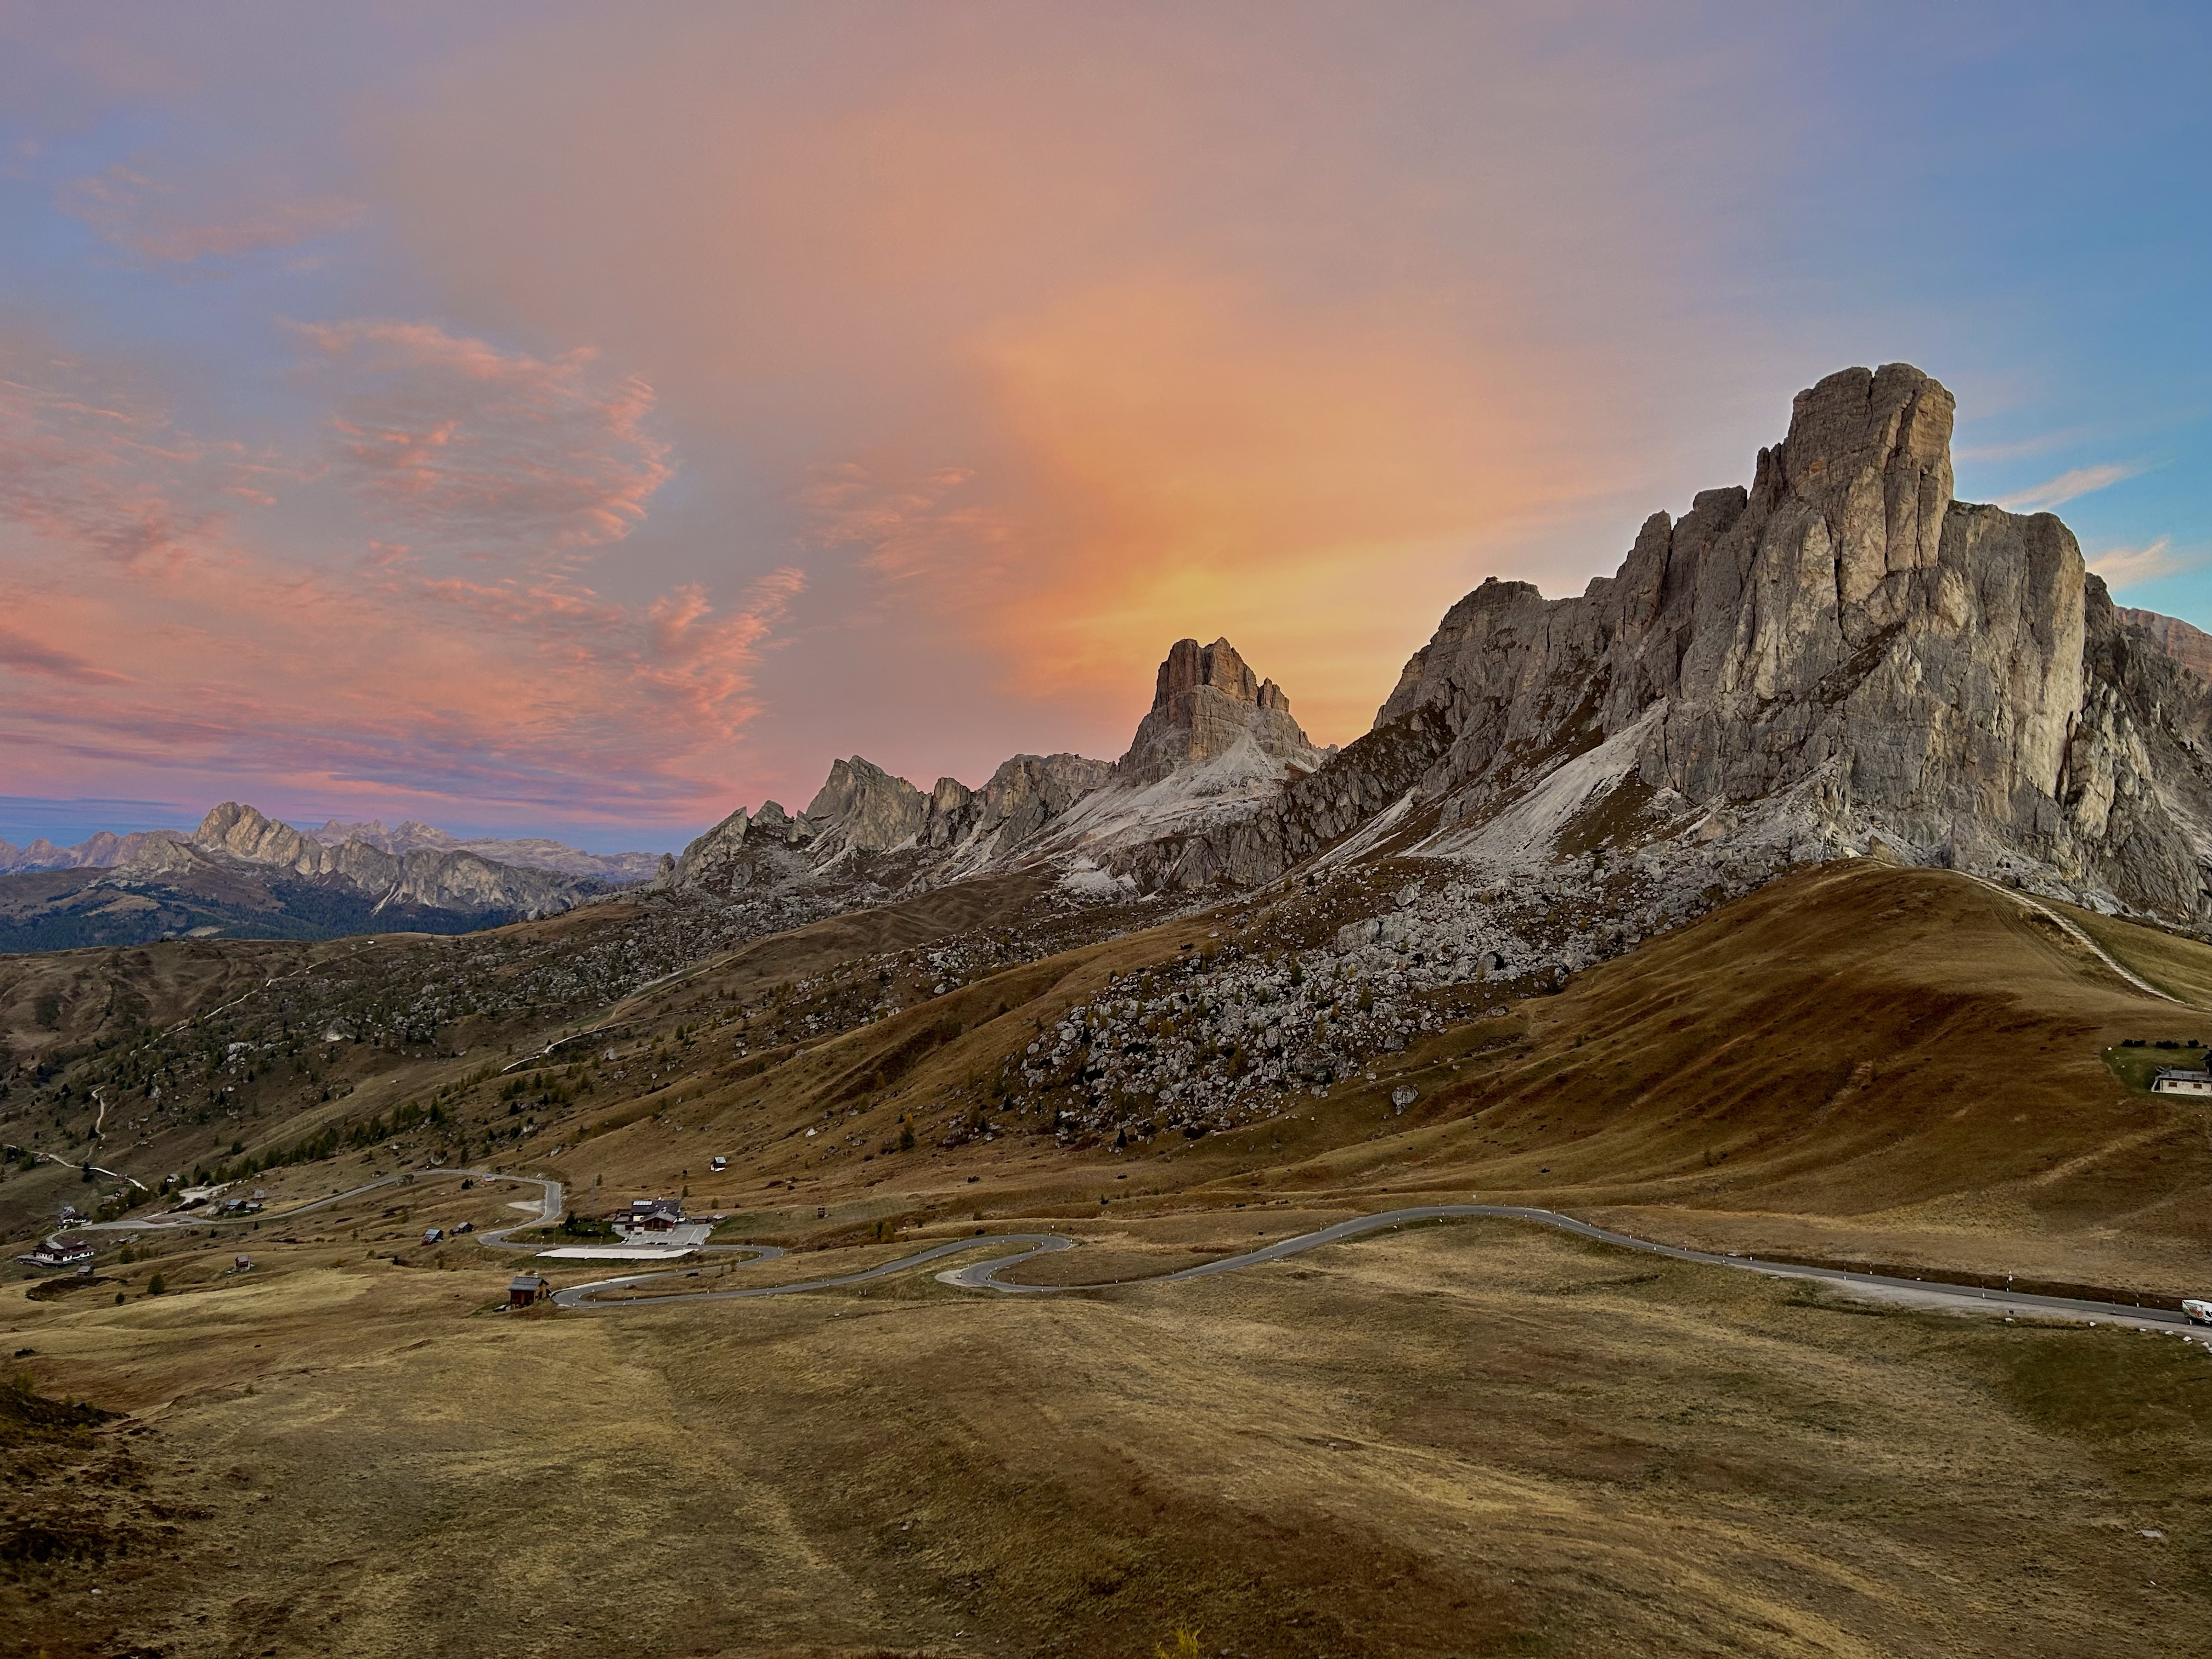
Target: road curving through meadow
(599, 1295)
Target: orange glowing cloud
(1045, 340)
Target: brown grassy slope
(66, 999)
(1876, 1049)
(2179, 966)
(1473, 1441)
(1859, 1061)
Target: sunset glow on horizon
(569, 420)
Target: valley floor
(1463, 1440)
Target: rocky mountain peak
(869, 809)
(244, 832)
(2187, 644)
(1206, 701)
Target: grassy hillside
(1857, 1063)
(1475, 1440)
(1861, 1062)
(1456, 1441)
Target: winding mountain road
(601, 1295)
(988, 1275)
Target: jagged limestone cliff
(1840, 659)
(1207, 703)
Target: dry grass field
(1463, 1440)
(1859, 1063)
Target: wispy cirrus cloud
(450, 441)
(150, 629)
(2125, 567)
(162, 222)
(28, 654)
(2072, 485)
(100, 469)
(924, 538)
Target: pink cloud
(447, 439)
(17, 652)
(101, 471)
(160, 220)
(927, 538)
(150, 629)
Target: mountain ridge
(242, 873)
(105, 849)
(1839, 659)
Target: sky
(584, 419)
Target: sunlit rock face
(2188, 645)
(1206, 701)
(707, 861)
(864, 807)
(1214, 750)
(1841, 658)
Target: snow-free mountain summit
(1840, 659)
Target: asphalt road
(988, 1275)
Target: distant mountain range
(242, 874)
(107, 849)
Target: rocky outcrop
(1206, 702)
(2188, 645)
(245, 833)
(710, 861)
(862, 810)
(974, 827)
(865, 809)
(1210, 756)
(432, 877)
(1840, 659)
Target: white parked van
(2200, 1313)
